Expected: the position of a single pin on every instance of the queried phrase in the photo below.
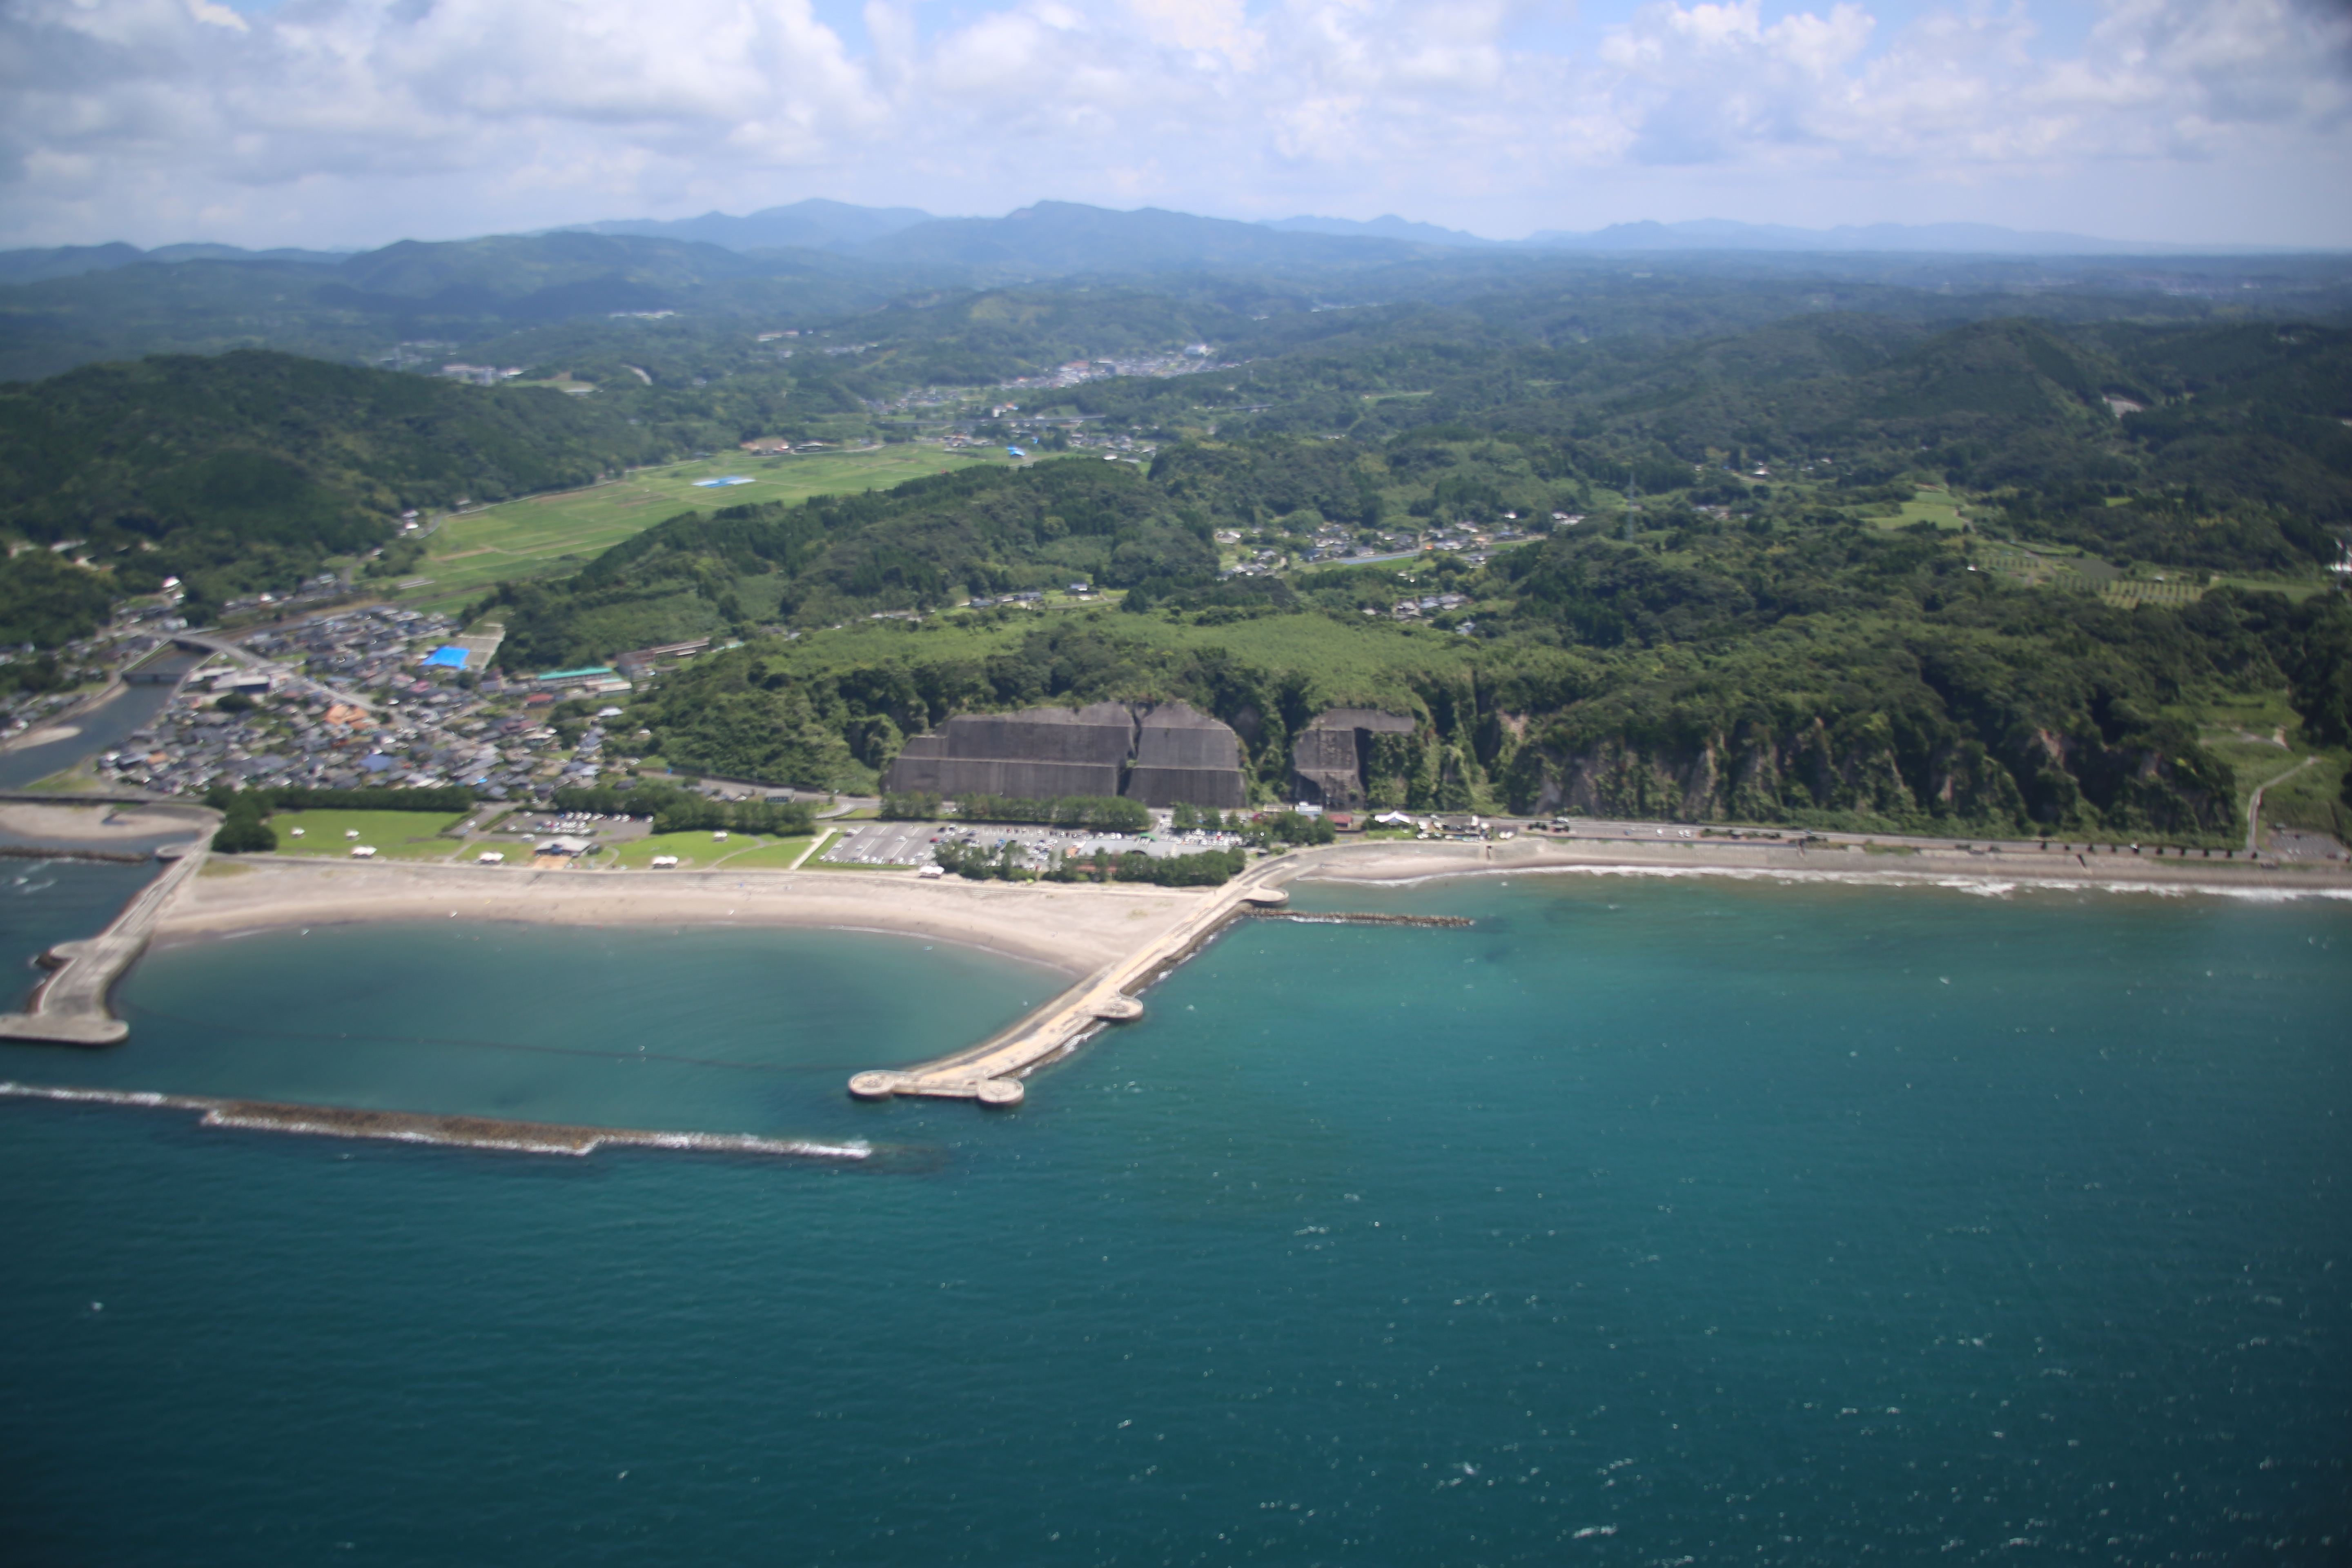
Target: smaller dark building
(1330, 760)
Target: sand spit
(1071, 927)
(455, 1131)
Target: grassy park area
(698, 851)
(396, 834)
(547, 535)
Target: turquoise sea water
(1643, 1222)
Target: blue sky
(341, 123)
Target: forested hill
(1842, 570)
(244, 472)
(2205, 448)
(926, 542)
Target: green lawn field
(698, 851)
(775, 855)
(549, 535)
(396, 834)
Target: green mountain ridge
(245, 472)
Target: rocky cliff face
(1864, 769)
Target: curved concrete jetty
(69, 1007)
(991, 1071)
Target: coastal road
(2254, 806)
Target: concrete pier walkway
(991, 1071)
(69, 1007)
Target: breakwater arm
(991, 1071)
(69, 1007)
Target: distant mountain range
(73, 261)
(1723, 234)
(813, 224)
(1068, 237)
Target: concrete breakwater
(458, 1131)
(69, 1007)
(39, 852)
(1335, 918)
(991, 1071)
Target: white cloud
(354, 120)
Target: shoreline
(1401, 862)
(1078, 929)
(1109, 943)
(1070, 929)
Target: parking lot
(882, 844)
(909, 842)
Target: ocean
(1646, 1221)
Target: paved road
(287, 672)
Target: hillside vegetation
(244, 472)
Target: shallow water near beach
(1644, 1222)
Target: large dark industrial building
(1185, 756)
(1170, 755)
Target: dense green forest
(245, 471)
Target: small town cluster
(376, 697)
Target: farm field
(396, 834)
(1929, 506)
(543, 536)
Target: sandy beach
(1072, 927)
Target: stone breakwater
(457, 1131)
